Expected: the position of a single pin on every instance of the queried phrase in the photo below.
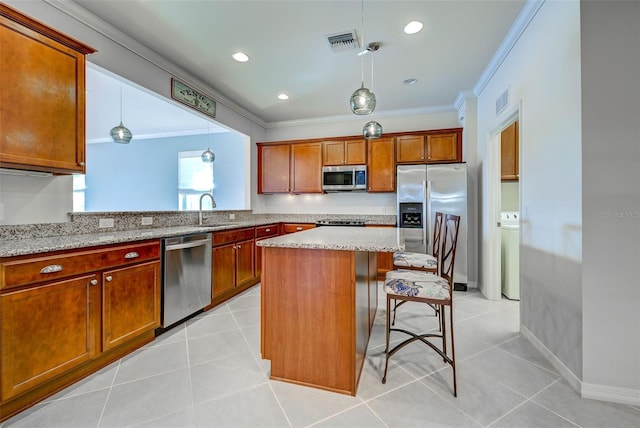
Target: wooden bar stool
(423, 287)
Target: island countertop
(375, 239)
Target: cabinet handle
(131, 255)
(239, 246)
(109, 278)
(93, 282)
(51, 269)
(298, 228)
(268, 230)
(81, 163)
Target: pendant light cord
(121, 102)
(362, 45)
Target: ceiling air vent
(343, 41)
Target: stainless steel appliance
(186, 282)
(421, 191)
(344, 178)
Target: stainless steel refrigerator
(421, 191)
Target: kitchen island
(319, 297)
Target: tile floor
(207, 372)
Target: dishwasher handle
(191, 244)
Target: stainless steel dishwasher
(186, 287)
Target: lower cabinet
(232, 263)
(64, 315)
(264, 232)
(296, 227)
(384, 260)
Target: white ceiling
(289, 53)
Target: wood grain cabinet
(296, 227)
(430, 147)
(509, 153)
(232, 263)
(42, 130)
(344, 152)
(381, 168)
(290, 168)
(264, 232)
(66, 314)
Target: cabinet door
(244, 262)
(381, 172)
(306, 168)
(273, 168)
(43, 99)
(509, 152)
(224, 269)
(296, 227)
(443, 148)
(410, 148)
(130, 302)
(333, 153)
(355, 152)
(47, 330)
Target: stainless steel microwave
(344, 178)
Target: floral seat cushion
(418, 260)
(416, 284)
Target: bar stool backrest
(449, 244)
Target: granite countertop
(19, 247)
(341, 238)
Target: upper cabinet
(42, 94)
(381, 176)
(344, 152)
(509, 153)
(430, 147)
(290, 168)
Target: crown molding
(461, 98)
(102, 27)
(524, 18)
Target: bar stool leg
(386, 349)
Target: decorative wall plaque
(192, 98)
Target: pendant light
(208, 156)
(372, 130)
(363, 101)
(120, 133)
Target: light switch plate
(232, 216)
(105, 222)
(146, 221)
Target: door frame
(493, 284)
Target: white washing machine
(510, 249)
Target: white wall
(543, 74)
(610, 39)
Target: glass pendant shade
(363, 101)
(208, 156)
(372, 130)
(121, 134)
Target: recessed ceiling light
(413, 27)
(240, 57)
(283, 97)
(410, 81)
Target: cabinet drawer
(30, 270)
(235, 235)
(268, 230)
(297, 227)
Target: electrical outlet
(232, 216)
(105, 222)
(146, 221)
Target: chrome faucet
(213, 205)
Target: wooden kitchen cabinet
(296, 227)
(290, 168)
(42, 130)
(439, 146)
(66, 314)
(131, 302)
(509, 153)
(381, 169)
(232, 263)
(384, 260)
(344, 152)
(264, 232)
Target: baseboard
(574, 382)
(608, 393)
(611, 393)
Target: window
(194, 178)
(79, 189)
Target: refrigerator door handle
(426, 214)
